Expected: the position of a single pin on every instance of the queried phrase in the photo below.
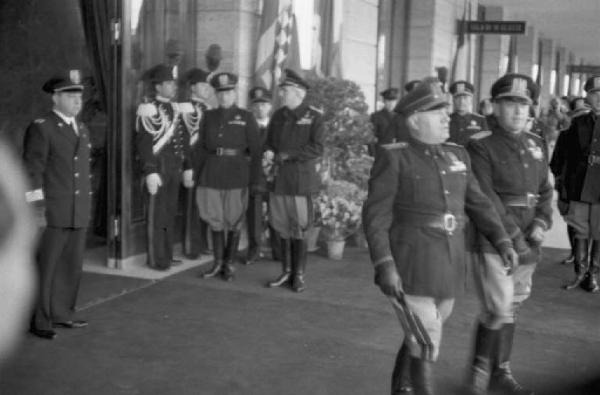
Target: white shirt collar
(67, 120)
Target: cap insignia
(519, 85)
(223, 79)
(460, 88)
(596, 82)
(258, 94)
(75, 76)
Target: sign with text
(495, 27)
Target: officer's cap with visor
(592, 84)
(259, 94)
(292, 78)
(390, 94)
(462, 88)
(65, 81)
(196, 75)
(224, 81)
(516, 87)
(426, 96)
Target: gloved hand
(188, 178)
(387, 279)
(510, 259)
(153, 182)
(536, 235)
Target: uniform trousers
(59, 264)
(222, 209)
(585, 220)
(501, 295)
(290, 215)
(433, 313)
(254, 220)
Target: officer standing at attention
(577, 159)
(260, 100)
(513, 171)
(229, 155)
(420, 194)
(463, 122)
(163, 148)
(56, 156)
(196, 230)
(295, 135)
(386, 122)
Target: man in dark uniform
(229, 151)
(387, 123)
(57, 154)
(577, 159)
(512, 170)
(463, 122)
(163, 149)
(260, 99)
(420, 194)
(295, 136)
(195, 229)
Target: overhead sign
(583, 69)
(495, 27)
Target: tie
(73, 128)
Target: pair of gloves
(153, 181)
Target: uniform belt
(528, 200)
(447, 222)
(593, 160)
(220, 151)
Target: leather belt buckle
(449, 222)
(220, 151)
(532, 199)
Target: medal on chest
(535, 150)
(456, 165)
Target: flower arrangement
(338, 209)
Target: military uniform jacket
(577, 157)
(235, 129)
(462, 127)
(414, 179)
(510, 166)
(159, 152)
(299, 134)
(386, 126)
(57, 161)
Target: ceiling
(573, 24)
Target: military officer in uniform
(420, 195)
(229, 151)
(260, 99)
(163, 149)
(56, 155)
(512, 170)
(463, 122)
(387, 124)
(577, 158)
(195, 229)
(295, 136)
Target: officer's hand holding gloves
(536, 235)
(510, 259)
(388, 279)
(188, 178)
(153, 182)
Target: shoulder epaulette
(481, 135)
(450, 143)
(400, 144)
(184, 107)
(146, 110)
(530, 134)
(576, 115)
(316, 109)
(39, 120)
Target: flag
(460, 42)
(277, 43)
(327, 53)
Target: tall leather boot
(502, 379)
(233, 240)
(421, 373)
(594, 268)
(286, 265)
(218, 250)
(581, 263)
(401, 384)
(479, 376)
(299, 250)
(571, 234)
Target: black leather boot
(479, 376)
(502, 379)
(298, 264)
(581, 263)
(286, 265)
(218, 249)
(421, 373)
(401, 384)
(233, 240)
(571, 234)
(594, 268)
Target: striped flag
(327, 56)
(277, 44)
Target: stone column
(547, 64)
(527, 51)
(494, 49)
(561, 70)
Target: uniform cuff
(541, 223)
(380, 261)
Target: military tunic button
(76, 175)
(76, 157)
(522, 152)
(446, 192)
(77, 192)
(526, 165)
(443, 172)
